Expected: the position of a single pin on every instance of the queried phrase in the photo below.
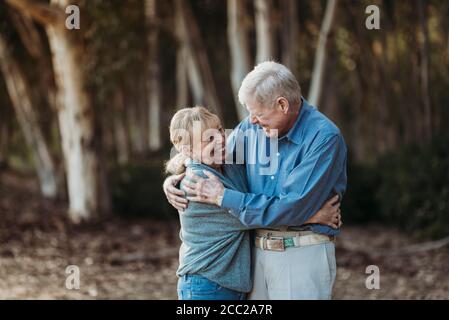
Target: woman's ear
(185, 150)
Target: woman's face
(211, 149)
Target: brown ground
(37, 244)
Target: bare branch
(42, 13)
(28, 33)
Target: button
(272, 177)
(278, 154)
(230, 211)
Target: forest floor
(136, 259)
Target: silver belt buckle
(263, 242)
(279, 247)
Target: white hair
(267, 82)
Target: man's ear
(283, 104)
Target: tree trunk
(76, 125)
(21, 98)
(121, 135)
(4, 141)
(321, 53)
(182, 54)
(143, 110)
(153, 77)
(187, 68)
(424, 68)
(290, 31)
(76, 112)
(239, 49)
(199, 70)
(182, 85)
(264, 35)
(33, 43)
(133, 115)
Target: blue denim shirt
(307, 168)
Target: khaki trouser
(297, 273)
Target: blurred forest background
(84, 117)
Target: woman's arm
(328, 215)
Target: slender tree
(137, 123)
(264, 30)
(153, 78)
(199, 71)
(321, 53)
(182, 81)
(4, 143)
(121, 134)
(424, 68)
(22, 100)
(290, 33)
(187, 69)
(182, 78)
(239, 48)
(34, 44)
(85, 176)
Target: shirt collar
(294, 134)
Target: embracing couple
(253, 228)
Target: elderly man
(291, 260)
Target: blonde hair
(181, 133)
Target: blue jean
(197, 287)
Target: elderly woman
(215, 255)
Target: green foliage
(415, 191)
(137, 191)
(359, 204)
(115, 42)
(407, 188)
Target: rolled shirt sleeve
(305, 190)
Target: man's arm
(307, 187)
(321, 172)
